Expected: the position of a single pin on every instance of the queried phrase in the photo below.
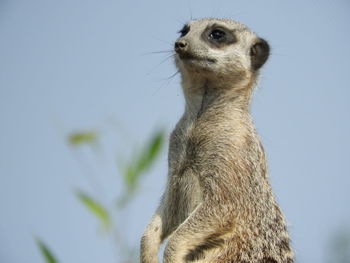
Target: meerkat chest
(179, 156)
(183, 176)
(180, 147)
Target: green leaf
(150, 151)
(46, 253)
(79, 138)
(96, 208)
(143, 161)
(130, 176)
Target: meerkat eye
(184, 31)
(217, 34)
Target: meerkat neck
(202, 95)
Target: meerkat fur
(218, 205)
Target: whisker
(157, 52)
(167, 81)
(164, 51)
(180, 22)
(160, 63)
(190, 9)
(172, 76)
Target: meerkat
(218, 205)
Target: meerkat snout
(182, 49)
(180, 46)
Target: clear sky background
(70, 64)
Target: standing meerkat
(218, 205)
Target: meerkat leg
(200, 232)
(159, 228)
(151, 239)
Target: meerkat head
(219, 50)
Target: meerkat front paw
(148, 252)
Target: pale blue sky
(82, 64)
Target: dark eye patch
(218, 36)
(183, 32)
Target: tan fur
(218, 205)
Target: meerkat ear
(259, 53)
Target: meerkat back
(218, 205)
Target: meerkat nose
(180, 46)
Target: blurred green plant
(339, 246)
(45, 252)
(78, 138)
(131, 171)
(139, 163)
(95, 208)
